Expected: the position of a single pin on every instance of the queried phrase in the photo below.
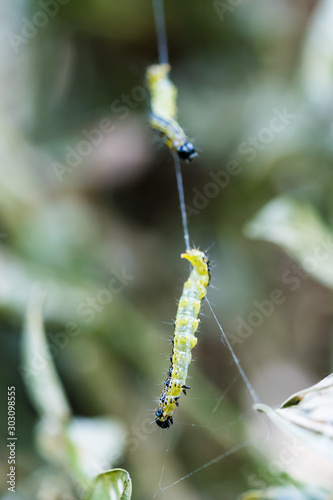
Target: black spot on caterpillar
(163, 117)
(195, 289)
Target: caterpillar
(163, 116)
(186, 324)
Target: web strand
(162, 44)
(223, 455)
(182, 200)
(225, 340)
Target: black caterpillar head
(164, 424)
(186, 151)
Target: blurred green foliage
(91, 215)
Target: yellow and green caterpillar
(163, 117)
(187, 322)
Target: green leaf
(308, 416)
(115, 484)
(37, 369)
(297, 228)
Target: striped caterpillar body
(163, 117)
(187, 322)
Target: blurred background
(89, 213)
